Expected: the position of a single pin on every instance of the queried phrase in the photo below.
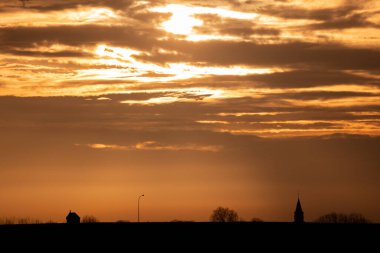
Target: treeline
(15, 220)
(224, 214)
(353, 218)
(220, 214)
(27, 220)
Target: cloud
(307, 113)
(54, 5)
(214, 24)
(153, 145)
(64, 53)
(319, 13)
(332, 56)
(322, 95)
(266, 62)
(345, 22)
(311, 78)
(80, 35)
(299, 78)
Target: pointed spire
(298, 213)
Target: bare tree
(23, 2)
(9, 220)
(224, 214)
(50, 222)
(89, 219)
(26, 220)
(343, 218)
(357, 218)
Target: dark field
(194, 235)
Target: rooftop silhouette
(72, 218)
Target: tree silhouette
(89, 219)
(23, 2)
(356, 218)
(224, 214)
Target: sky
(196, 104)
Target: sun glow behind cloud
(183, 21)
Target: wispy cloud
(155, 146)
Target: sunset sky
(196, 104)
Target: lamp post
(138, 208)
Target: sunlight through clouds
(135, 70)
(182, 20)
(181, 23)
(266, 60)
(91, 15)
(179, 95)
(154, 146)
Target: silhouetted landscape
(224, 230)
(191, 235)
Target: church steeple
(298, 213)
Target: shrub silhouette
(256, 220)
(89, 219)
(224, 214)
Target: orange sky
(196, 104)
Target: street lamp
(138, 208)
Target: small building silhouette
(298, 213)
(72, 218)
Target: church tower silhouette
(298, 213)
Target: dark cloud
(322, 95)
(352, 21)
(94, 113)
(214, 24)
(64, 53)
(159, 57)
(311, 78)
(294, 12)
(56, 5)
(250, 31)
(290, 79)
(295, 114)
(293, 54)
(80, 35)
(300, 54)
(275, 104)
(148, 18)
(342, 17)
